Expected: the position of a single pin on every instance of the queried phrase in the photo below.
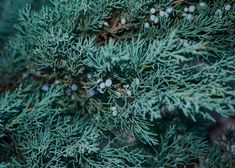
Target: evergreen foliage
(116, 83)
(9, 11)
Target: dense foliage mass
(118, 83)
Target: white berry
(191, 9)
(152, 17)
(114, 113)
(128, 92)
(156, 20)
(108, 82)
(102, 85)
(114, 110)
(72, 97)
(166, 15)
(74, 87)
(56, 82)
(105, 23)
(169, 10)
(146, 25)
(123, 21)
(91, 93)
(218, 13)
(161, 13)
(185, 9)
(202, 4)
(45, 87)
(227, 7)
(184, 14)
(189, 16)
(152, 10)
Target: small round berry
(128, 92)
(152, 10)
(162, 13)
(189, 16)
(146, 25)
(152, 17)
(114, 113)
(45, 87)
(91, 93)
(166, 15)
(169, 10)
(156, 20)
(68, 92)
(114, 110)
(219, 13)
(105, 23)
(186, 9)
(123, 21)
(74, 87)
(56, 82)
(73, 97)
(227, 7)
(184, 14)
(102, 85)
(108, 82)
(202, 4)
(191, 9)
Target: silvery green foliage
(48, 135)
(10, 107)
(177, 65)
(173, 145)
(9, 11)
(55, 47)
